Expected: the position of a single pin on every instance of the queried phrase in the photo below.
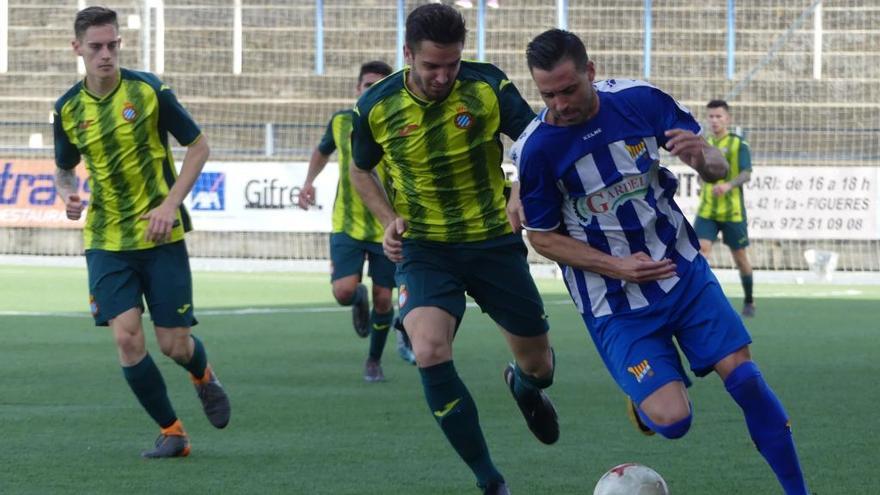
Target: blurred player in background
(597, 201)
(435, 126)
(118, 121)
(356, 236)
(721, 202)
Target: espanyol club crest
(463, 119)
(402, 296)
(129, 113)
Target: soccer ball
(631, 479)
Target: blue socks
(379, 326)
(454, 410)
(148, 386)
(673, 431)
(768, 425)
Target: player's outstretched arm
(316, 165)
(162, 217)
(694, 151)
(638, 267)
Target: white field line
(819, 294)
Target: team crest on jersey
(463, 119)
(129, 113)
(641, 370)
(636, 150)
(402, 296)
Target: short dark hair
(435, 22)
(93, 16)
(554, 45)
(375, 67)
(719, 104)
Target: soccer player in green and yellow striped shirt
(356, 235)
(721, 203)
(117, 121)
(435, 126)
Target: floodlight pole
(562, 14)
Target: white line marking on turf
(340, 309)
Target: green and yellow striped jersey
(350, 214)
(123, 139)
(730, 207)
(443, 157)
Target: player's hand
(640, 268)
(515, 213)
(687, 146)
(392, 243)
(306, 196)
(73, 206)
(162, 220)
(721, 189)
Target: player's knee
(382, 302)
(176, 349)
(129, 344)
(672, 420)
(344, 295)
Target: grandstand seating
(836, 116)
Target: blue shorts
(121, 280)
(637, 346)
(347, 256)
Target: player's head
(563, 73)
(97, 40)
(718, 113)
(435, 36)
(370, 73)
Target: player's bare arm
(638, 267)
(65, 184)
(694, 151)
(316, 165)
(367, 184)
(162, 217)
(515, 214)
(725, 187)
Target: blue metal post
(731, 38)
(319, 37)
(401, 34)
(481, 30)
(562, 14)
(648, 38)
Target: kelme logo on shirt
(609, 199)
(129, 113)
(408, 129)
(463, 119)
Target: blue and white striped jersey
(601, 183)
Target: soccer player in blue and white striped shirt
(597, 201)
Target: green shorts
(734, 234)
(347, 256)
(121, 280)
(494, 272)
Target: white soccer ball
(631, 479)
